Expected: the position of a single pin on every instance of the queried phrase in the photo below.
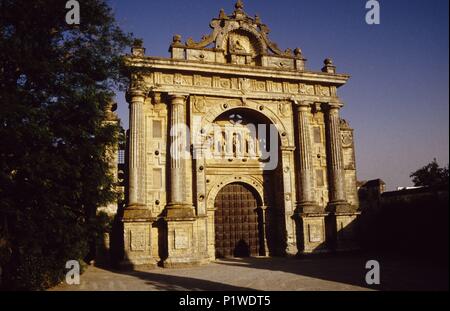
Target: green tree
(430, 175)
(56, 81)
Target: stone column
(136, 147)
(288, 160)
(264, 230)
(306, 202)
(179, 155)
(137, 219)
(183, 228)
(338, 202)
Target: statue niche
(242, 48)
(238, 134)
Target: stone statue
(238, 47)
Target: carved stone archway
(257, 189)
(286, 139)
(252, 181)
(239, 222)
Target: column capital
(138, 87)
(263, 207)
(136, 93)
(335, 105)
(299, 102)
(303, 105)
(177, 96)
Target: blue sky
(398, 97)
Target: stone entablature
(306, 194)
(158, 75)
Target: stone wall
(413, 222)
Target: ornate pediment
(238, 39)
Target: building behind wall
(405, 222)
(223, 195)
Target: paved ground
(337, 273)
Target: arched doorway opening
(243, 143)
(239, 228)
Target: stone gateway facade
(235, 149)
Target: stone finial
(329, 66)
(176, 40)
(222, 14)
(239, 5)
(298, 53)
(114, 107)
(257, 20)
(288, 52)
(138, 48)
(344, 124)
(239, 12)
(110, 111)
(138, 43)
(111, 106)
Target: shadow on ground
(166, 282)
(325, 272)
(398, 272)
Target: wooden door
(236, 222)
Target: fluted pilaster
(306, 201)
(136, 147)
(177, 141)
(338, 201)
(180, 184)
